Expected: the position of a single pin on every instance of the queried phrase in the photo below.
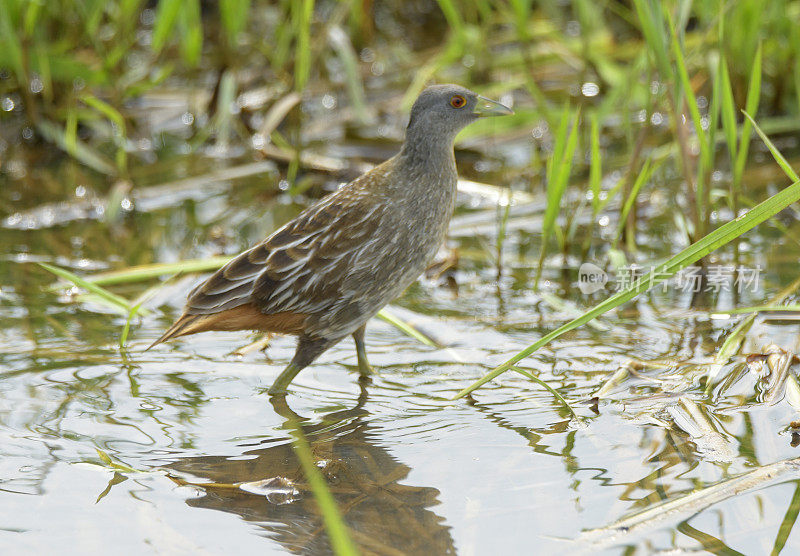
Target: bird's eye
(457, 101)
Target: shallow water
(189, 428)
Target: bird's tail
(181, 327)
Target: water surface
(203, 460)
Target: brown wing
(300, 267)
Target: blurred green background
(71, 71)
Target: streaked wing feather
(299, 268)
(333, 234)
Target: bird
(324, 274)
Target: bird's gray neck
(427, 185)
(427, 152)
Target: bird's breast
(416, 224)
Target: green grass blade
(728, 116)
(75, 148)
(106, 109)
(797, 80)
(10, 40)
(788, 523)
(652, 28)
(664, 271)
(563, 168)
(521, 10)
(728, 109)
(558, 170)
(559, 142)
(150, 271)
(782, 162)
(641, 179)
(731, 344)
(451, 14)
(166, 17)
(191, 43)
(347, 54)
(547, 387)
(111, 298)
(793, 308)
(110, 463)
(612, 193)
(233, 14)
(691, 99)
(302, 10)
(71, 130)
(340, 539)
(406, 328)
(595, 169)
(137, 308)
(750, 106)
(123, 338)
(113, 115)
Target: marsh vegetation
(602, 358)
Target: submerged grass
(719, 237)
(549, 388)
(341, 543)
(110, 299)
(691, 503)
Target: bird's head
(441, 111)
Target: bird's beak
(487, 107)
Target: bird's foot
(283, 380)
(365, 369)
(276, 391)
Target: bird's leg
(308, 349)
(361, 351)
(284, 379)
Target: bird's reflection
(266, 486)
